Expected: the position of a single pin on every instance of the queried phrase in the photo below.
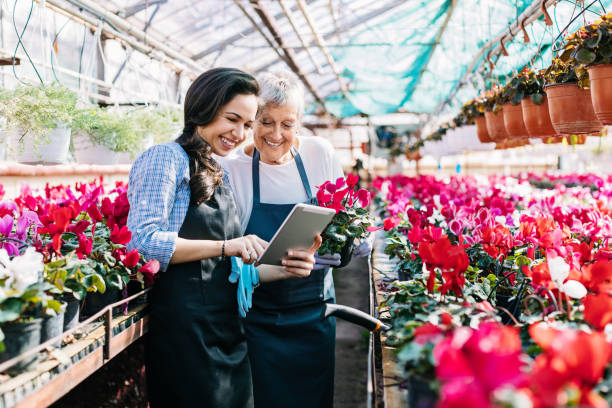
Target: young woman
(182, 214)
(291, 346)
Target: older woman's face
(275, 133)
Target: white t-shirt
(280, 184)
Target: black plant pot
(96, 301)
(510, 305)
(420, 394)
(52, 326)
(134, 287)
(20, 337)
(346, 254)
(71, 315)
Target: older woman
(291, 346)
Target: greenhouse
(306, 203)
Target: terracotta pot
(571, 110)
(537, 118)
(601, 89)
(513, 121)
(481, 129)
(553, 140)
(576, 139)
(495, 126)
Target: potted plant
(535, 104)
(569, 99)
(40, 118)
(511, 97)
(494, 116)
(472, 112)
(157, 124)
(22, 295)
(591, 47)
(352, 220)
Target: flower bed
(504, 292)
(63, 245)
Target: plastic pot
(537, 119)
(20, 337)
(49, 149)
(481, 129)
(571, 110)
(96, 301)
(420, 394)
(71, 315)
(601, 88)
(513, 121)
(52, 326)
(496, 126)
(510, 305)
(88, 152)
(346, 253)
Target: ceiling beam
(321, 44)
(222, 44)
(350, 25)
(287, 55)
(289, 14)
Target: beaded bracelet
(223, 250)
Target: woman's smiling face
(231, 126)
(276, 132)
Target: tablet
(298, 231)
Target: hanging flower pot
(571, 109)
(87, 151)
(537, 119)
(601, 89)
(513, 121)
(495, 126)
(51, 148)
(481, 129)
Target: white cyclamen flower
(559, 271)
(25, 269)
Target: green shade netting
(394, 64)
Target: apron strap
(255, 176)
(303, 176)
(301, 170)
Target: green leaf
(606, 50)
(585, 56)
(337, 237)
(11, 309)
(114, 280)
(94, 281)
(537, 98)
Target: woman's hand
(300, 263)
(249, 248)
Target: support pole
(290, 59)
(293, 23)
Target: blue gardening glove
(324, 261)
(364, 248)
(247, 277)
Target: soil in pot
(71, 315)
(571, 110)
(52, 326)
(537, 119)
(513, 121)
(481, 129)
(495, 126)
(20, 337)
(601, 89)
(96, 301)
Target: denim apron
(291, 346)
(196, 354)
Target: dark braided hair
(205, 97)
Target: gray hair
(281, 88)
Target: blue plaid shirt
(158, 192)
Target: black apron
(196, 350)
(291, 347)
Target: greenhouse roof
(357, 56)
